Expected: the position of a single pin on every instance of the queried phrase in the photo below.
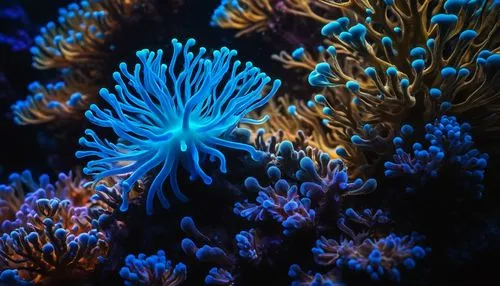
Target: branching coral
(448, 143)
(78, 46)
(247, 15)
(80, 35)
(175, 118)
(248, 245)
(387, 60)
(152, 270)
(281, 203)
(59, 100)
(219, 276)
(253, 16)
(364, 251)
(376, 257)
(319, 184)
(58, 240)
(18, 198)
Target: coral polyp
(179, 114)
(152, 270)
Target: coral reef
(78, 46)
(377, 71)
(449, 143)
(365, 165)
(57, 240)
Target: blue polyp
(387, 43)
(353, 86)
(493, 62)
(344, 22)
(454, 6)
(484, 54)
(330, 29)
(298, 53)
(292, 110)
(444, 20)
(346, 37)
(430, 43)
(178, 118)
(358, 31)
(392, 71)
(371, 72)
(332, 51)
(407, 130)
(323, 69)
(317, 79)
(375, 257)
(467, 35)
(435, 93)
(328, 111)
(409, 263)
(405, 83)
(463, 72)
(418, 53)
(418, 65)
(448, 72)
(341, 151)
(397, 141)
(418, 252)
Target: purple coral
(247, 245)
(219, 276)
(448, 143)
(302, 278)
(152, 270)
(377, 257)
(281, 203)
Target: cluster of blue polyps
(152, 270)
(447, 142)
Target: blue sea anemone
(179, 114)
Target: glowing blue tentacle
(203, 92)
(175, 186)
(195, 65)
(235, 145)
(126, 93)
(196, 164)
(143, 169)
(263, 120)
(115, 171)
(152, 68)
(216, 153)
(156, 186)
(141, 90)
(264, 100)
